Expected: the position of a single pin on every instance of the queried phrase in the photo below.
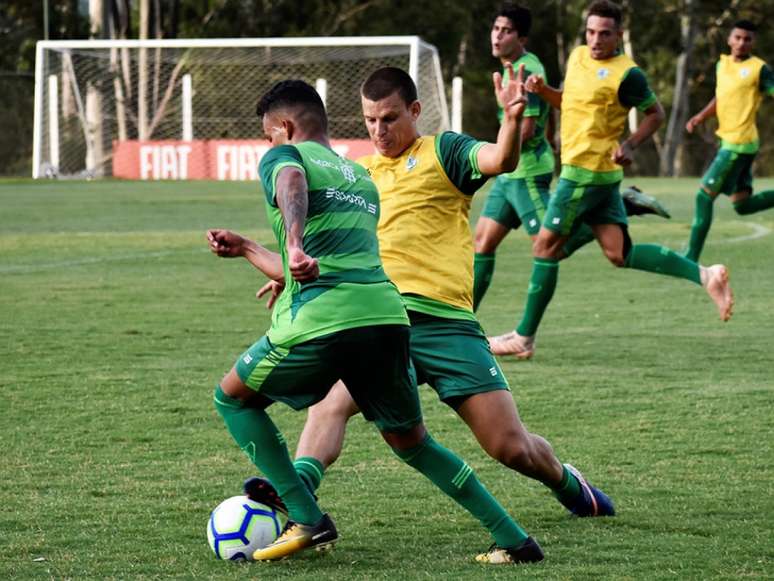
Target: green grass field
(116, 323)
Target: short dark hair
(520, 17)
(606, 9)
(386, 81)
(297, 95)
(745, 25)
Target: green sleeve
(272, 162)
(766, 82)
(635, 90)
(458, 154)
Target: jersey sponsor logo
(493, 371)
(744, 72)
(411, 163)
(556, 221)
(354, 199)
(247, 359)
(603, 73)
(346, 170)
(533, 223)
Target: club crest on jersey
(411, 163)
(744, 73)
(603, 73)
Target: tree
(671, 152)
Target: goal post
(190, 111)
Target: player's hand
(693, 122)
(624, 154)
(534, 84)
(512, 95)
(225, 243)
(275, 287)
(303, 268)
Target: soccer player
(600, 87)
(520, 198)
(741, 79)
(338, 317)
(425, 186)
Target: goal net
(185, 109)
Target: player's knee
(541, 248)
(484, 243)
(512, 450)
(332, 411)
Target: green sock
(655, 258)
(311, 472)
(756, 203)
(542, 283)
(483, 268)
(579, 238)
(702, 221)
(568, 488)
(454, 477)
(260, 439)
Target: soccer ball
(238, 526)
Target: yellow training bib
(424, 232)
(592, 117)
(738, 99)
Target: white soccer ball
(238, 526)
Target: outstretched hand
(511, 94)
(274, 287)
(225, 243)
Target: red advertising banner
(213, 159)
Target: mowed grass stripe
(114, 455)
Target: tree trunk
(679, 115)
(142, 73)
(561, 48)
(95, 152)
(118, 30)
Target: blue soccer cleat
(592, 501)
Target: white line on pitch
(758, 231)
(24, 268)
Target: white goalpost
(185, 109)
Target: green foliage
(459, 30)
(116, 323)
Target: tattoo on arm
(293, 202)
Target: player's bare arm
(503, 156)
(654, 117)
(528, 125)
(228, 244)
(536, 84)
(293, 201)
(700, 117)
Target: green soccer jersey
(340, 232)
(537, 157)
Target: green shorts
(730, 172)
(515, 201)
(453, 357)
(372, 361)
(574, 203)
